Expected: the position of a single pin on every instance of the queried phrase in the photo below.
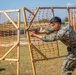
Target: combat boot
(67, 74)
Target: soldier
(67, 36)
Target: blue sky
(30, 4)
(13, 4)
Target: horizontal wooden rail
(16, 10)
(57, 7)
(35, 60)
(6, 59)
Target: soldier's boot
(67, 74)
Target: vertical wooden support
(71, 17)
(52, 11)
(17, 44)
(74, 26)
(56, 41)
(74, 20)
(68, 15)
(0, 43)
(18, 47)
(29, 42)
(72, 13)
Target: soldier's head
(56, 23)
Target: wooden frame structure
(24, 9)
(17, 44)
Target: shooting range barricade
(39, 18)
(10, 37)
(39, 50)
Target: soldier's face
(56, 26)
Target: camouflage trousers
(69, 64)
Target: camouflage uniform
(68, 37)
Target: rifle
(33, 29)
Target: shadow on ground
(2, 69)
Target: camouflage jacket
(65, 34)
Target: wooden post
(68, 15)
(29, 42)
(52, 11)
(56, 41)
(17, 44)
(18, 47)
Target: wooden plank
(38, 51)
(29, 42)
(18, 47)
(37, 9)
(68, 10)
(14, 60)
(15, 45)
(36, 60)
(57, 7)
(15, 10)
(10, 19)
(29, 11)
(52, 11)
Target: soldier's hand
(36, 30)
(32, 34)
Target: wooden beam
(52, 11)
(25, 20)
(29, 11)
(29, 42)
(15, 10)
(57, 7)
(68, 10)
(37, 9)
(10, 19)
(15, 45)
(49, 58)
(18, 46)
(6, 59)
(38, 51)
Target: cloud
(70, 4)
